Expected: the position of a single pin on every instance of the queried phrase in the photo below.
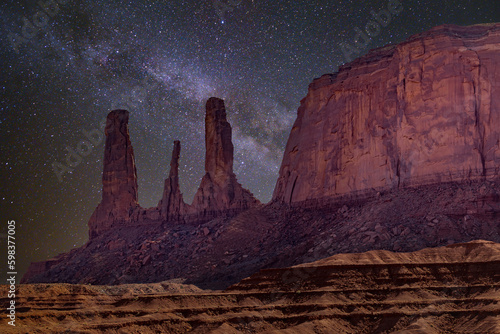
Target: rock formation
(219, 190)
(119, 177)
(172, 205)
(218, 193)
(424, 111)
(419, 120)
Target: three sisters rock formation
(219, 191)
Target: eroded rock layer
(424, 111)
(438, 290)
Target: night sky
(64, 67)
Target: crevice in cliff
(128, 145)
(480, 132)
(476, 86)
(398, 171)
(293, 188)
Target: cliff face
(119, 177)
(421, 112)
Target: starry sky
(65, 64)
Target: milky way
(66, 64)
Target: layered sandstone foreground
(440, 290)
(424, 111)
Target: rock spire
(219, 190)
(119, 177)
(172, 205)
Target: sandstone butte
(423, 111)
(416, 125)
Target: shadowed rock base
(223, 251)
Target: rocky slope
(440, 290)
(424, 111)
(225, 250)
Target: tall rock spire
(172, 205)
(219, 190)
(218, 139)
(119, 177)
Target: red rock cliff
(119, 177)
(424, 111)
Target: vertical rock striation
(219, 190)
(421, 112)
(172, 205)
(119, 177)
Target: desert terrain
(451, 289)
